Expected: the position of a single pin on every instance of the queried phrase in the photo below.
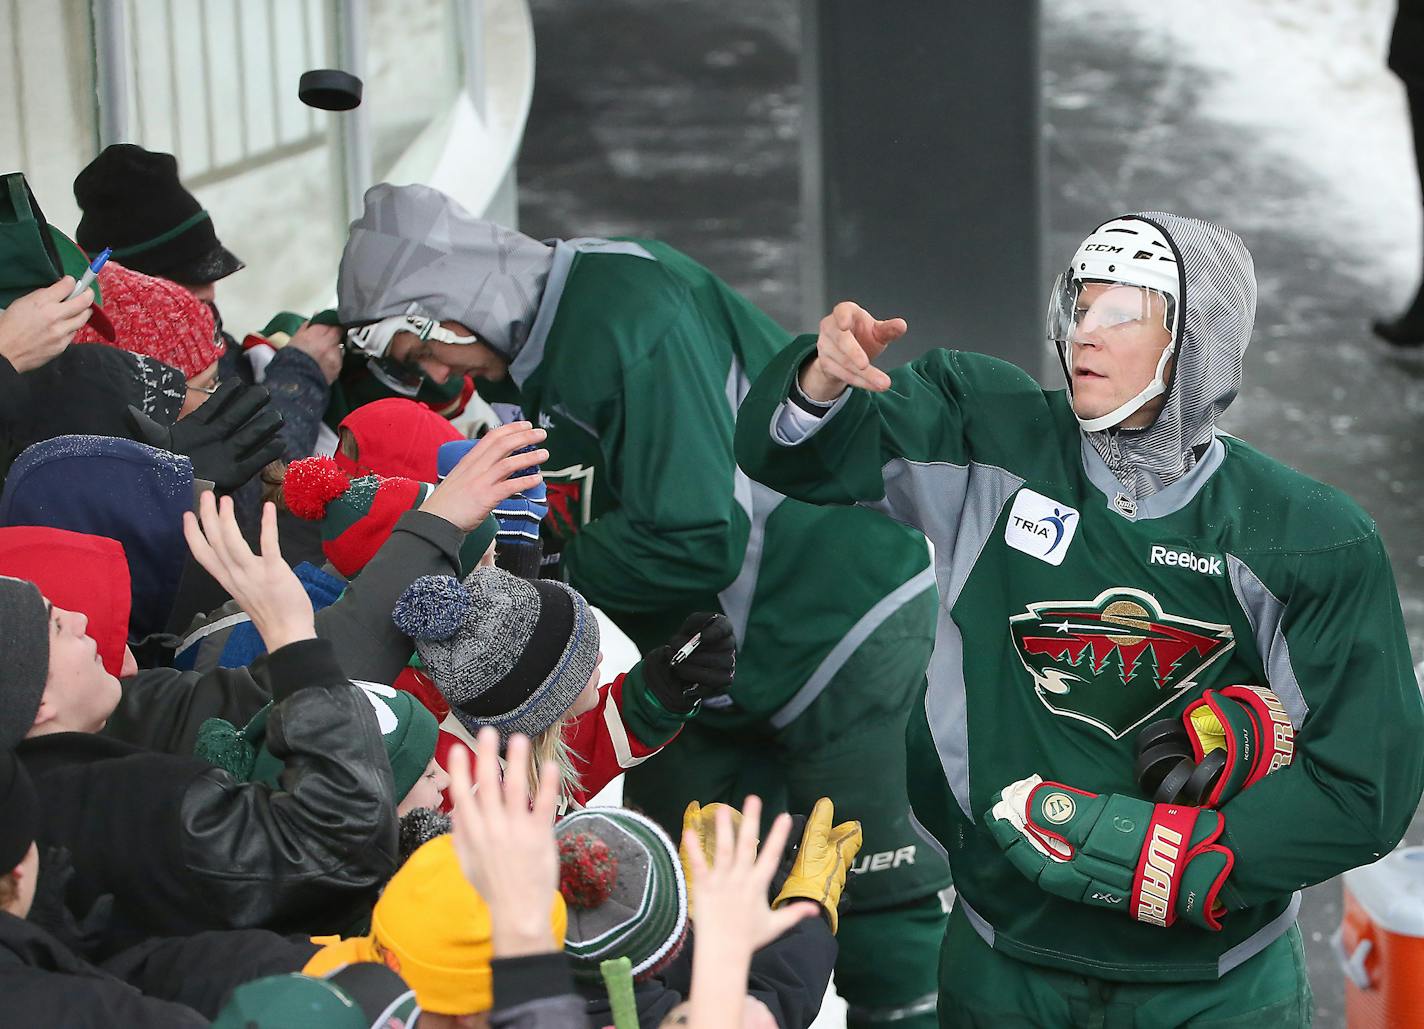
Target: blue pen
(88, 277)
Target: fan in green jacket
(1105, 558)
(635, 358)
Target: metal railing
(211, 81)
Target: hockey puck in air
(329, 89)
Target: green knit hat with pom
(626, 896)
(408, 730)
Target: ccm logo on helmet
(1185, 559)
(1106, 248)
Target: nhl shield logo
(1115, 661)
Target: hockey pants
(980, 987)
(849, 745)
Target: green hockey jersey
(635, 364)
(1069, 618)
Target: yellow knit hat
(432, 928)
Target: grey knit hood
(413, 245)
(1218, 290)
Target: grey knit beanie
(508, 652)
(24, 657)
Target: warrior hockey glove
(697, 663)
(228, 439)
(1225, 742)
(823, 860)
(1156, 863)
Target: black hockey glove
(228, 439)
(680, 674)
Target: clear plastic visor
(1108, 312)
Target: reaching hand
(229, 438)
(731, 893)
(264, 587)
(482, 478)
(37, 327)
(850, 338)
(706, 671)
(505, 843)
(322, 343)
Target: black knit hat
(19, 811)
(24, 657)
(133, 201)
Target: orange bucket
(1380, 943)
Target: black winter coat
(42, 982)
(183, 847)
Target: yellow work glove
(702, 821)
(822, 862)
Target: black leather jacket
(181, 846)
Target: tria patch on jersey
(1041, 527)
(1116, 660)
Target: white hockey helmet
(1129, 252)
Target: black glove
(228, 439)
(705, 672)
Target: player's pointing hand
(850, 339)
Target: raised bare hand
(482, 478)
(322, 343)
(505, 841)
(263, 586)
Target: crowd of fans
(293, 730)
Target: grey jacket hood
(413, 245)
(1218, 290)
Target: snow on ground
(1307, 78)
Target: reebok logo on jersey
(1041, 527)
(1185, 559)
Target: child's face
(588, 699)
(427, 789)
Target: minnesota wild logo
(570, 497)
(1114, 661)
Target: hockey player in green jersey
(634, 358)
(1106, 559)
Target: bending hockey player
(1108, 560)
(634, 358)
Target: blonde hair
(548, 746)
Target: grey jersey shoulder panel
(957, 507)
(1265, 613)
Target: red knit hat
(396, 436)
(78, 572)
(158, 319)
(356, 515)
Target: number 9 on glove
(1154, 862)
